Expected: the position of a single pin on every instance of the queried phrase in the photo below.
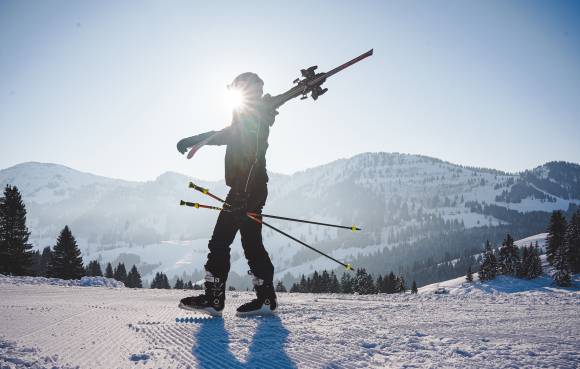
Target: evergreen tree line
(507, 261)
(161, 281)
(362, 283)
(16, 255)
(562, 252)
(131, 279)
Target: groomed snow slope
(45, 326)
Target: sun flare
(234, 99)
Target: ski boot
(212, 301)
(264, 304)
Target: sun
(234, 98)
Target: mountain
(412, 209)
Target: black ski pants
(218, 259)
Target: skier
(245, 173)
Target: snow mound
(501, 284)
(83, 282)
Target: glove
(188, 142)
(184, 144)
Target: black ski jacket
(247, 141)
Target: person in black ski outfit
(245, 173)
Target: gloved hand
(185, 144)
(188, 142)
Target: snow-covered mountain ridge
(396, 198)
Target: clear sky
(109, 87)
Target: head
(249, 85)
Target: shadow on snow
(266, 349)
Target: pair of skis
(258, 219)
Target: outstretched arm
(207, 138)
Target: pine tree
(280, 287)
(391, 283)
(379, 284)
(66, 261)
(120, 273)
(400, 285)
(414, 287)
(316, 283)
(363, 282)
(346, 283)
(334, 284)
(134, 278)
(160, 281)
(561, 268)
(526, 263)
(189, 285)
(556, 235)
(15, 251)
(302, 286)
(572, 240)
(469, 275)
(324, 282)
(94, 269)
(488, 270)
(109, 271)
(179, 284)
(535, 263)
(509, 261)
(35, 258)
(44, 261)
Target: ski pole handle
(206, 192)
(197, 205)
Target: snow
(13, 356)
(83, 282)
(539, 238)
(55, 326)
(501, 284)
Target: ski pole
(198, 205)
(254, 218)
(346, 266)
(205, 191)
(352, 228)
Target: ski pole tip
(348, 266)
(354, 228)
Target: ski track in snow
(45, 326)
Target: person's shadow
(266, 349)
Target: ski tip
(191, 185)
(182, 203)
